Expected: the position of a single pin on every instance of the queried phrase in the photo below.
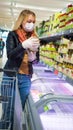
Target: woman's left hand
(31, 55)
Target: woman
(22, 50)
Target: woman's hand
(31, 55)
(32, 43)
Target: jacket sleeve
(14, 47)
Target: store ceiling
(10, 9)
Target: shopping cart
(7, 97)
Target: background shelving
(58, 56)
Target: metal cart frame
(7, 99)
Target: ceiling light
(38, 8)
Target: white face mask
(28, 27)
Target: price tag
(64, 77)
(47, 66)
(60, 75)
(51, 68)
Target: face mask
(28, 27)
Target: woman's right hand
(32, 43)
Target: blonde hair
(22, 16)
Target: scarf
(22, 35)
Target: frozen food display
(54, 114)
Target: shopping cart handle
(7, 70)
(3, 98)
(1, 69)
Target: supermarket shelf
(57, 36)
(46, 39)
(60, 74)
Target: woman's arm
(13, 46)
